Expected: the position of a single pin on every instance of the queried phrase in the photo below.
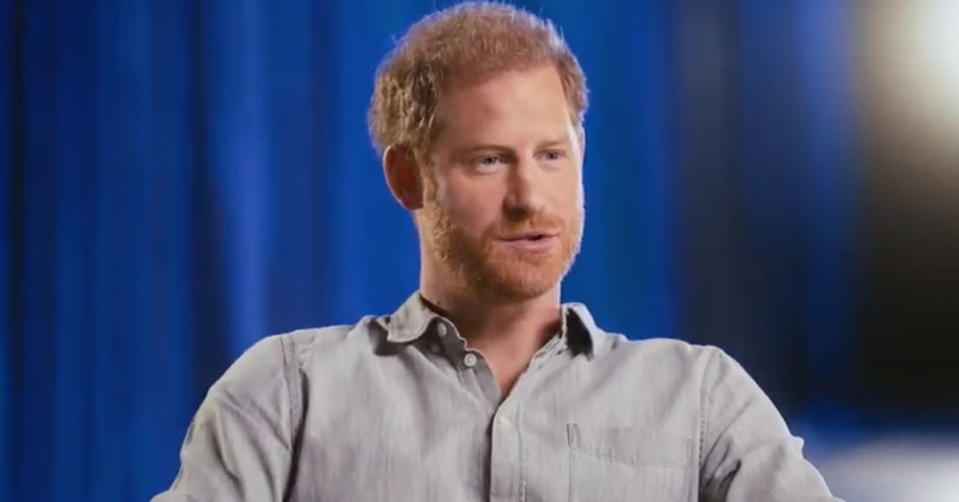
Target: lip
(533, 242)
(530, 234)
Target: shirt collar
(414, 318)
(410, 321)
(578, 322)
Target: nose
(525, 194)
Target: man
(482, 386)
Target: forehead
(531, 99)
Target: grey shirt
(400, 408)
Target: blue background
(180, 179)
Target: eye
(551, 155)
(488, 162)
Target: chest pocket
(628, 463)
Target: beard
(483, 267)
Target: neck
(507, 333)
(517, 327)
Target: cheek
(472, 208)
(569, 192)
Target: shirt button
(435, 348)
(469, 360)
(441, 329)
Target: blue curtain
(180, 179)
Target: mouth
(532, 235)
(532, 241)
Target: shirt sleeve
(747, 451)
(239, 444)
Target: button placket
(505, 454)
(444, 344)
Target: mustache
(538, 223)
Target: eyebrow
(561, 141)
(481, 147)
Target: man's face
(503, 206)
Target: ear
(402, 176)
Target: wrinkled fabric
(400, 408)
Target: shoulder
(668, 351)
(611, 348)
(662, 359)
(272, 361)
(722, 382)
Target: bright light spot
(935, 40)
(903, 469)
(920, 50)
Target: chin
(519, 281)
(502, 275)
